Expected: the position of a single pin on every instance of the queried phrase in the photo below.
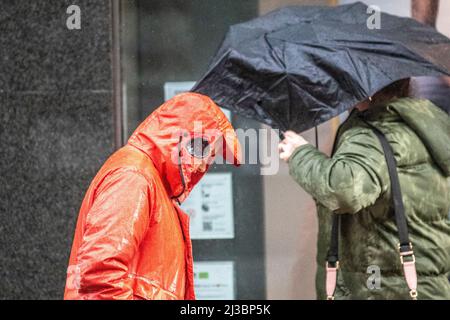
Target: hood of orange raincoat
(163, 135)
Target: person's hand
(291, 142)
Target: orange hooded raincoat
(132, 240)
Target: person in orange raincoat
(132, 239)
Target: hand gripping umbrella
(297, 67)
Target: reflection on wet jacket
(132, 240)
(354, 182)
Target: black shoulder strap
(399, 210)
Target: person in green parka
(354, 183)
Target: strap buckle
(336, 265)
(409, 268)
(407, 253)
(413, 294)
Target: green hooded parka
(354, 182)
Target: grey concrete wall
(56, 129)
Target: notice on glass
(210, 207)
(171, 89)
(214, 280)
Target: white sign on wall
(214, 280)
(210, 207)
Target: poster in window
(214, 280)
(210, 207)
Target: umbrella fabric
(297, 67)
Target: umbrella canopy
(297, 67)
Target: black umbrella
(297, 67)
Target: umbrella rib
(280, 61)
(209, 70)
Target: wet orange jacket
(132, 240)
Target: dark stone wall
(56, 129)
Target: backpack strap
(405, 247)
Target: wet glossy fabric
(132, 240)
(297, 67)
(355, 183)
